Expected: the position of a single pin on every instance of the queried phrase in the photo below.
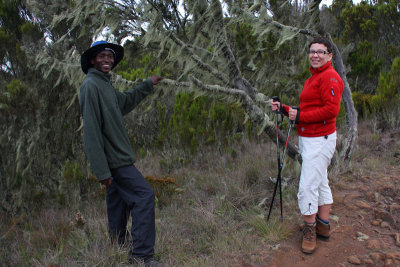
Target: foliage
(363, 104)
(164, 188)
(139, 72)
(31, 30)
(194, 221)
(389, 84)
(372, 28)
(72, 172)
(198, 121)
(386, 101)
(365, 66)
(360, 23)
(241, 48)
(13, 98)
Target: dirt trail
(365, 225)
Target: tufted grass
(213, 216)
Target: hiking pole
(280, 162)
(283, 161)
(278, 156)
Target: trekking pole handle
(294, 107)
(276, 99)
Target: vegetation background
(208, 159)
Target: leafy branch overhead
(227, 72)
(237, 49)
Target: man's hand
(156, 79)
(106, 182)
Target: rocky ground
(365, 217)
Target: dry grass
(214, 222)
(216, 218)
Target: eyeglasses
(318, 52)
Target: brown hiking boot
(323, 230)
(309, 243)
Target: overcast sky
(329, 2)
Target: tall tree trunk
(351, 113)
(3, 186)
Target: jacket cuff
(297, 116)
(149, 84)
(283, 110)
(104, 176)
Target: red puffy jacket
(319, 102)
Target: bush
(364, 67)
(199, 121)
(385, 102)
(72, 172)
(142, 72)
(363, 104)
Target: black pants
(130, 193)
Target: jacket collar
(104, 76)
(321, 69)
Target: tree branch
(351, 113)
(198, 60)
(234, 69)
(258, 116)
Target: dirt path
(365, 225)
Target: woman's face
(319, 55)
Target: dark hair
(322, 40)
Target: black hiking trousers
(130, 193)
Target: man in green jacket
(110, 153)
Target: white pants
(314, 190)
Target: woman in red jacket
(316, 127)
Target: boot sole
(306, 251)
(323, 238)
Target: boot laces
(308, 232)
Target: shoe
(309, 244)
(136, 261)
(153, 263)
(141, 262)
(323, 230)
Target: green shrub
(17, 98)
(133, 73)
(31, 30)
(365, 66)
(142, 153)
(363, 104)
(383, 104)
(72, 172)
(199, 121)
(388, 86)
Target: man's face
(317, 57)
(103, 61)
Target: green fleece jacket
(106, 141)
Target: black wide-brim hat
(96, 48)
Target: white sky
(329, 2)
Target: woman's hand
(292, 114)
(275, 105)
